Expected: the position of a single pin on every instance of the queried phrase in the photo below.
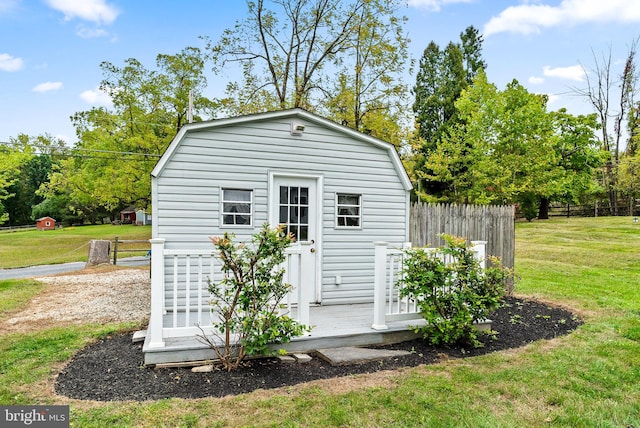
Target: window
(294, 211)
(348, 210)
(237, 207)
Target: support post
(379, 286)
(304, 289)
(115, 251)
(155, 329)
(479, 249)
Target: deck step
(139, 336)
(353, 355)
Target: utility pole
(190, 108)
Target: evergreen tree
(442, 77)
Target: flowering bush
(452, 296)
(247, 300)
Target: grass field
(590, 378)
(70, 244)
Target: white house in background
(337, 190)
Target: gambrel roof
(290, 114)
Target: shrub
(452, 296)
(246, 301)
(529, 205)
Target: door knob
(313, 250)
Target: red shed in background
(128, 215)
(45, 223)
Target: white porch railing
(387, 303)
(180, 299)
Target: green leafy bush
(452, 296)
(247, 300)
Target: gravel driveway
(85, 297)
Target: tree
(442, 76)
(10, 162)
(345, 55)
(629, 179)
(629, 167)
(578, 156)
(118, 147)
(25, 163)
(471, 41)
(501, 150)
(508, 149)
(633, 128)
(439, 83)
(32, 173)
(58, 206)
(612, 110)
(368, 94)
(293, 46)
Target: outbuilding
(45, 223)
(143, 218)
(337, 190)
(128, 215)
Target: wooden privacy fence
(494, 224)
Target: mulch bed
(113, 369)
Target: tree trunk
(613, 202)
(543, 209)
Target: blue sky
(50, 50)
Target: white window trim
(360, 216)
(252, 211)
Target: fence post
(156, 339)
(379, 286)
(479, 249)
(115, 251)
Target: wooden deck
(332, 326)
(178, 307)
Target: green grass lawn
(590, 378)
(70, 244)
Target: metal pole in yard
(115, 251)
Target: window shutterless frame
(236, 207)
(348, 214)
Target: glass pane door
(293, 209)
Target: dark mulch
(112, 369)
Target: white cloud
(434, 5)
(10, 63)
(47, 86)
(88, 33)
(573, 72)
(532, 18)
(553, 99)
(96, 97)
(536, 80)
(97, 11)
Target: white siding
(242, 155)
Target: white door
(294, 206)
